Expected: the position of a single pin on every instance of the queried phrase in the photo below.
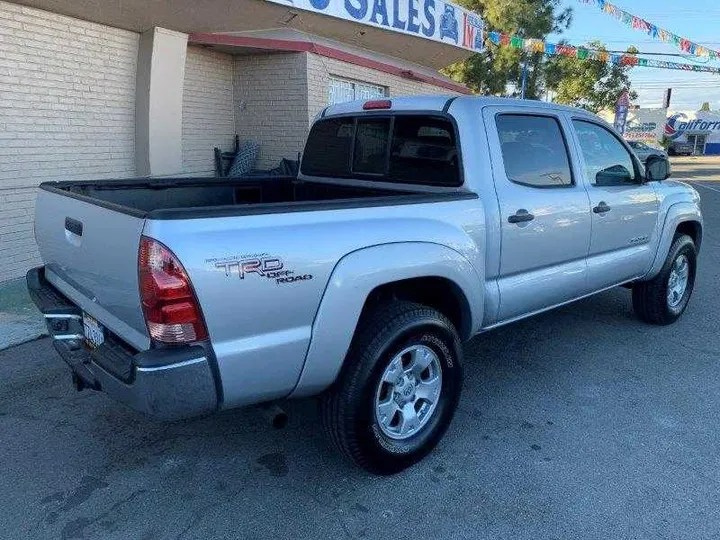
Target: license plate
(94, 331)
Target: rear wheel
(664, 298)
(398, 389)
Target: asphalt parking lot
(580, 423)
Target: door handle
(601, 208)
(521, 216)
(74, 226)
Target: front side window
(607, 161)
(533, 150)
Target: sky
(696, 20)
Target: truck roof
(439, 102)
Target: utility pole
(524, 76)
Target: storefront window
(343, 90)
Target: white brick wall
(208, 116)
(67, 111)
(271, 104)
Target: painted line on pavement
(694, 183)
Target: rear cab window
(401, 148)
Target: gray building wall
(207, 113)
(271, 104)
(67, 111)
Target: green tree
(498, 69)
(592, 84)
(705, 107)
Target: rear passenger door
(545, 212)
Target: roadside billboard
(645, 125)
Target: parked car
(678, 148)
(644, 151)
(413, 225)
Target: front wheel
(398, 389)
(664, 298)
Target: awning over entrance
(431, 33)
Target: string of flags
(652, 30)
(583, 53)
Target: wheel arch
(440, 293)
(693, 229)
(682, 217)
(413, 271)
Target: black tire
(347, 409)
(650, 298)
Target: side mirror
(657, 168)
(617, 175)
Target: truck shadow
(532, 391)
(528, 349)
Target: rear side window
(534, 151)
(412, 149)
(423, 151)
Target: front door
(544, 211)
(624, 207)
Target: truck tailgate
(90, 254)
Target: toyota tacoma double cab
(414, 224)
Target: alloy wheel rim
(408, 392)
(678, 281)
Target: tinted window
(422, 149)
(371, 142)
(327, 152)
(607, 161)
(534, 151)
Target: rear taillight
(172, 312)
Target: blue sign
(430, 19)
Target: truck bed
(215, 197)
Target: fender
(677, 213)
(354, 278)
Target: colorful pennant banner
(652, 30)
(582, 53)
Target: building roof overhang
(222, 16)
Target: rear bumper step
(167, 384)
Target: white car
(644, 151)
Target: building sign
(680, 124)
(645, 125)
(430, 19)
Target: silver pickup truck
(413, 225)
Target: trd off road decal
(259, 264)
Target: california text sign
(431, 19)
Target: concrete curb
(20, 321)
